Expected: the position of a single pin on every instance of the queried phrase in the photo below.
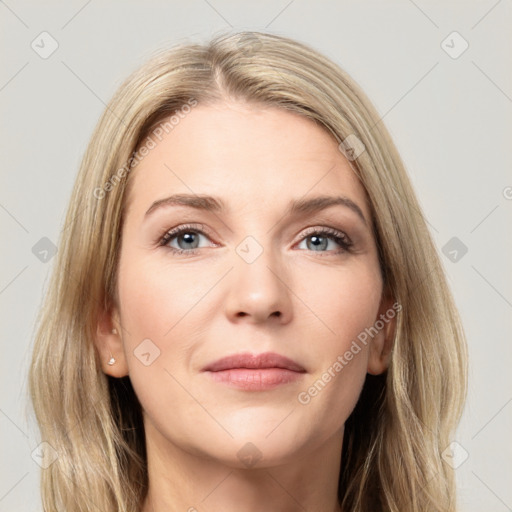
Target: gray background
(450, 118)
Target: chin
(256, 445)
(254, 453)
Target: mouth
(255, 372)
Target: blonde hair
(404, 418)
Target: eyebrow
(295, 207)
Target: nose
(258, 291)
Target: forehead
(253, 156)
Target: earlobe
(112, 360)
(381, 345)
(109, 344)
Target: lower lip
(255, 379)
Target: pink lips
(255, 372)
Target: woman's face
(254, 275)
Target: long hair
(404, 419)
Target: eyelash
(338, 236)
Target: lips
(267, 360)
(254, 372)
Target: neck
(180, 480)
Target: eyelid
(170, 233)
(326, 230)
(340, 237)
(202, 228)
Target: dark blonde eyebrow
(295, 207)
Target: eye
(186, 237)
(317, 240)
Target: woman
(304, 353)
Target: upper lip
(254, 361)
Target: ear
(109, 343)
(381, 345)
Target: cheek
(156, 297)
(159, 304)
(346, 301)
(348, 305)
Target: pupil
(188, 238)
(319, 242)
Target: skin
(306, 304)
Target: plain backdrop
(446, 99)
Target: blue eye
(188, 239)
(188, 235)
(320, 239)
